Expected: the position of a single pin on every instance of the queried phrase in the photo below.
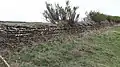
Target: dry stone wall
(17, 35)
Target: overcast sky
(31, 10)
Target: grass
(92, 50)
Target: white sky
(31, 10)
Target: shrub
(97, 16)
(113, 18)
(59, 13)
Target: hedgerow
(98, 17)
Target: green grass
(96, 50)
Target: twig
(4, 61)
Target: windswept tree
(59, 13)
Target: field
(94, 49)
